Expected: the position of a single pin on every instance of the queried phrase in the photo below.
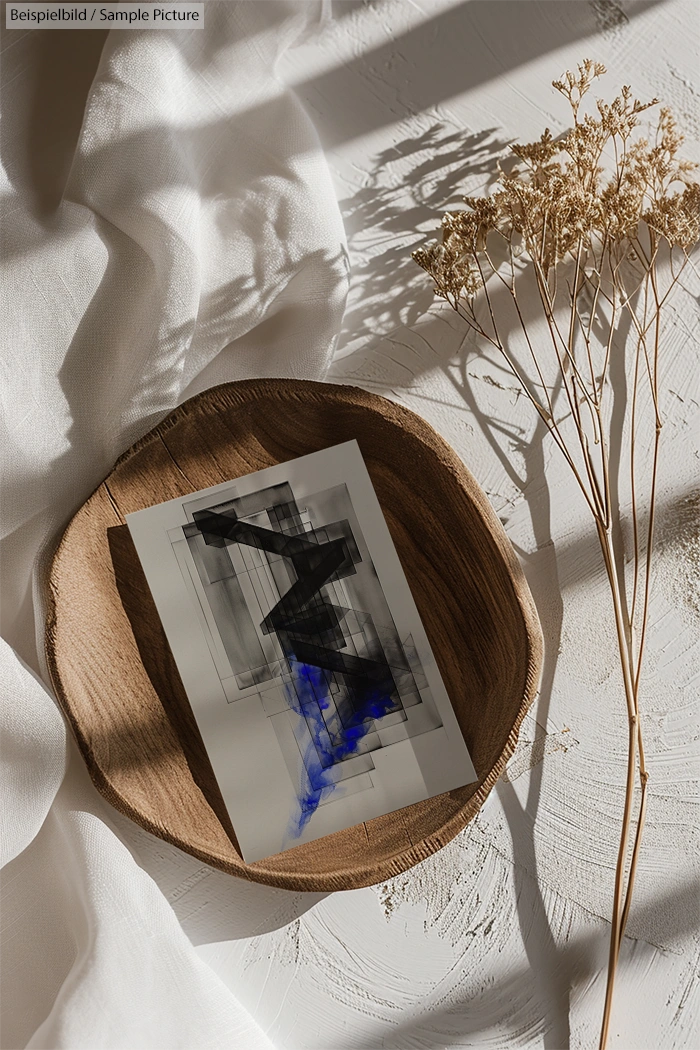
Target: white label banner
(103, 16)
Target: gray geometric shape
(295, 603)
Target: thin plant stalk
(602, 241)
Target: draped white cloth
(197, 240)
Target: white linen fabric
(197, 240)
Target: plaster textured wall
(500, 940)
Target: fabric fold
(198, 240)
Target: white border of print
(256, 786)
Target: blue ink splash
(307, 696)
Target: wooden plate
(116, 678)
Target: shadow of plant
(400, 341)
(397, 209)
(393, 212)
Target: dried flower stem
(615, 246)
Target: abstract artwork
(301, 650)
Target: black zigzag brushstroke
(306, 623)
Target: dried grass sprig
(601, 221)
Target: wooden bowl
(116, 678)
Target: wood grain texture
(116, 678)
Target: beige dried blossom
(556, 200)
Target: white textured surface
(500, 940)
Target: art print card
(301, 650)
